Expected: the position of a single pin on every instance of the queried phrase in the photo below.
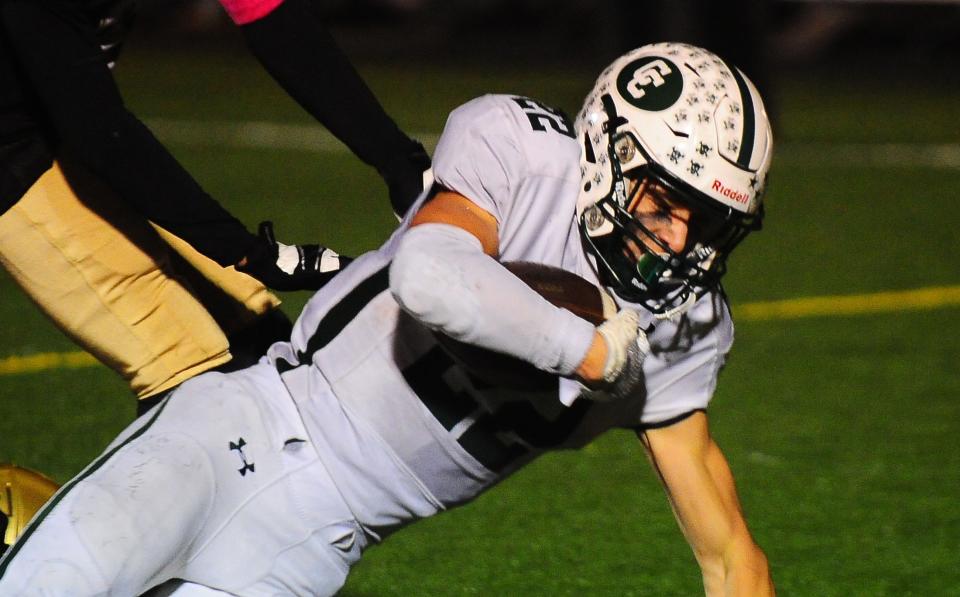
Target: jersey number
(495, 439)
(542, 116)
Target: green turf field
(842, 430)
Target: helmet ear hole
(588, 153)
(594, 219)
(625, 148)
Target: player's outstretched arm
(701, 491)
(291, 41)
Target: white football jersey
(404, 429)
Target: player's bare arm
(448, 207)
(701, 491)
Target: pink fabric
(247, 11)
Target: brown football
(560, 287)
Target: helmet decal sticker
(615, 120)
(730, 193)
(650, 83)
(749, 120)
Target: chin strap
(674, 313)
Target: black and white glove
(627, 347)
(290, 267)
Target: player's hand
(290, 267)
(626, 346)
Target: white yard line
(880, 155)
(255, 135)
(314, 138)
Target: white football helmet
(683, 118)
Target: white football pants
(179, 588)
(218, 485)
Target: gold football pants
(135, 296)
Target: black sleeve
(298, 51)
(55, 43)
(25, 153)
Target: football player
(362, 423)
(145, 261)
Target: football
(560, 287)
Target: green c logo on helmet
(650, 83)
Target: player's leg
(218, 485)
(121, 293)
(114, 293)
(120, 521)
(297, 537)
(243, 308)
(294, 535)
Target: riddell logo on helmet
(730, 193)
